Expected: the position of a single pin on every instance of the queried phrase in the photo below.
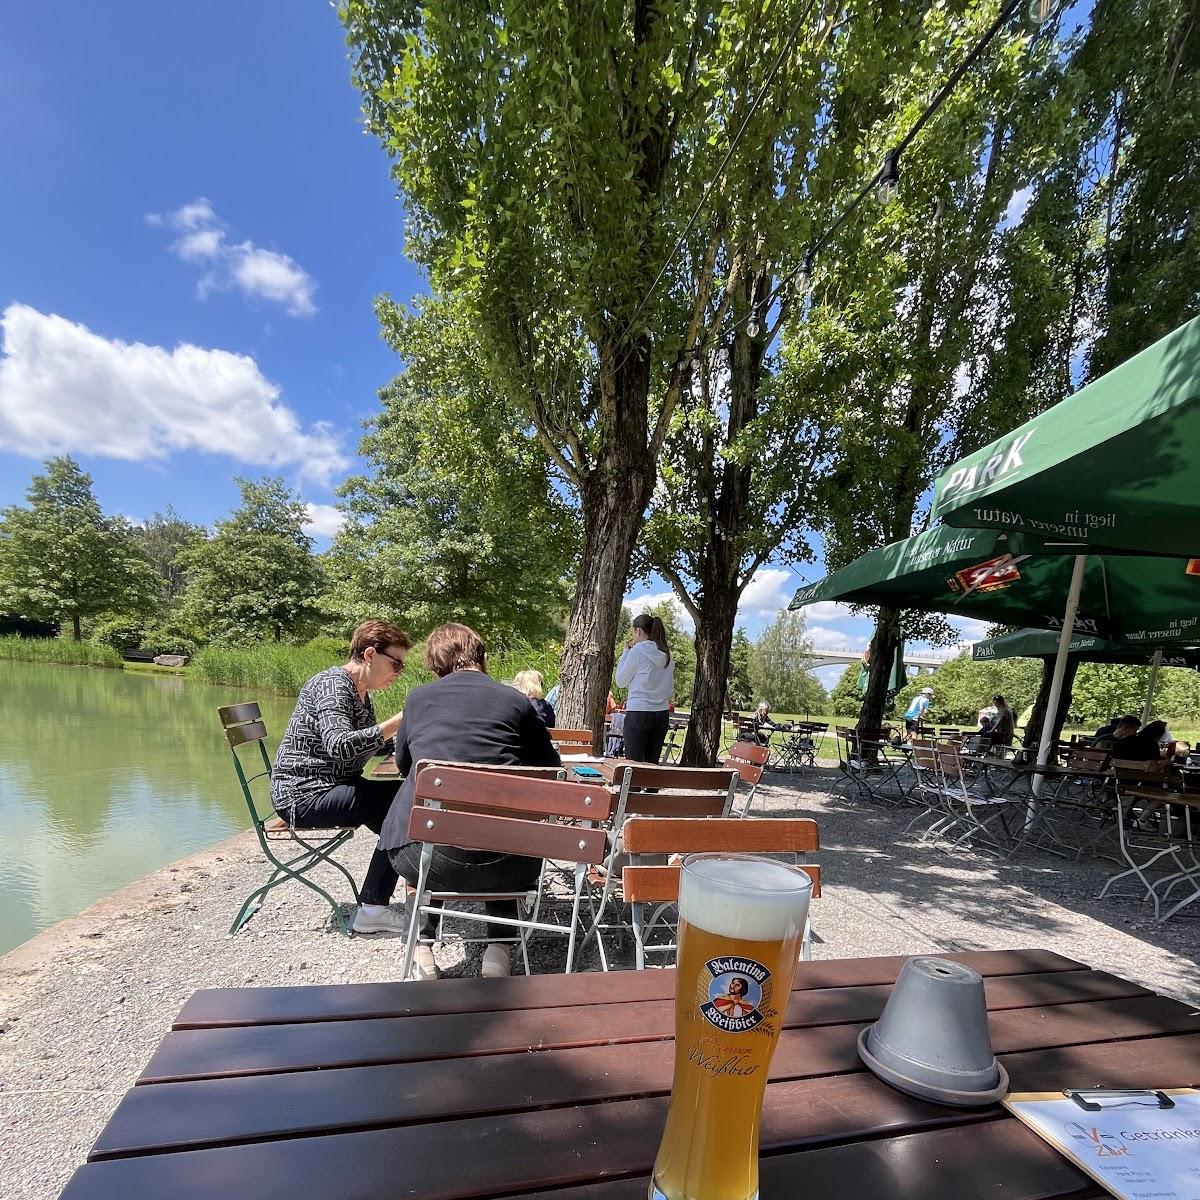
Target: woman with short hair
(317, 780)
(531, 685)
(465, 716)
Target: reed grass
(284, 669)
(58, 650)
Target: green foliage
(167, 636)
(962, 687)
(846, 699)
(1177, 694)
(58, 650)
(780, 667)
(741, 685)
(117, 633)
(164, 537)
(456, 519)
(256, 577)
(63, 560)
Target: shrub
(58, 650)
(118, 633)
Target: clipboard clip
(1089, 1098)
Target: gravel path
(83, 1005)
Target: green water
(104, 776)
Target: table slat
(249, 1108)
(286, 1005)
(209, 1053)
(563, 1147)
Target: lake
(104, 776)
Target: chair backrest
(748, 759)
(572, 741)
(1087, 758)
(648, 789)
(509, 812)
(243, 726)
(660, 884)
(950, 764)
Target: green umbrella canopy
(1011, 579)
(1042, 643)
(1116, 466)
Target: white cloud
(1015, 211)
(324, 520)
(770, 590)
(265, 274)
(835, 639)
(830, 610)
(969, 629)
(66, 389)
(639, 604)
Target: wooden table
(555, 1087)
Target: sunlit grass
(58, 650)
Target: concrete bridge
(925, 662)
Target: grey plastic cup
(932, 1041)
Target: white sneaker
(424, 965)
(379, 920)
(497, 961)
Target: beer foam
(757, 899)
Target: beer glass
(741, 918)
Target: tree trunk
(1033, 731)
(714, 638)
(78, 633)
(883, 660)
(612, 520)
(613, 496)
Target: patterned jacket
(331, 736)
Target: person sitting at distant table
(317, 780)
(763, 725)
(530, 685)
(1141, 745)
(1001, 726)
(465, 716)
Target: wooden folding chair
(278, 837)
(647, 789)
(510, 812)
(658, 885)
(573, 741)
(749, 760)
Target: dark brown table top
(555, 1087)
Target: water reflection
(104, 776)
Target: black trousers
(357, 802)
(645, 733)
(457, 870)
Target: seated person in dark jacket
(1141, 746)
(317, 780)
(1001, 725)
(532, 685)
(465, 716)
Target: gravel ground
(83, 1005)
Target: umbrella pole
(1155, 663)
(1060, 670)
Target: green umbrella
(1013, 579)
(1116, 466)
(1040, 643)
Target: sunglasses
(397, 663)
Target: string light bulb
(889, 178)
(1040, 10)
(803, 280)
(753, 328)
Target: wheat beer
(740, 923)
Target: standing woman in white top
(647, 671)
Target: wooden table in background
(555, 1087)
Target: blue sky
(192, 229)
